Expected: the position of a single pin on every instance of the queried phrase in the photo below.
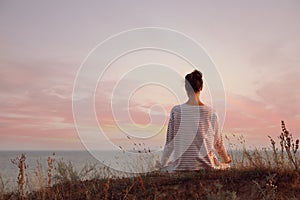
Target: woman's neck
(194, 101)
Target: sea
(79, 159)
(9, 171)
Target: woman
(193, 133)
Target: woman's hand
(158, 165)
(228, 159)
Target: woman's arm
(168, 149)
(218, 141)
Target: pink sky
(255, 47)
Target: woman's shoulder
(211, 110)
(176, 108)
(179, 107)
(186, 109)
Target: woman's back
(191, 134)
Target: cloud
(37, 108)
(282, 95)
(274, 58)
(256, 119)
(139, 108)
(36, 102)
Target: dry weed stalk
(50, 162)
(278, 162)
(289, 147)
(140, 180)
(106, 189)
(129, 189)
(2, 189)
(268, 190)
(142, 184)
(20, 162)
(39, 176)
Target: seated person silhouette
(193, 134)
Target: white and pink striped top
(193, 134)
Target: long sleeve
(218, 140)
(169, 146)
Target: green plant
(65, 172)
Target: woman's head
(193, 82)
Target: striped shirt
(193, 132)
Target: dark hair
(193, 81)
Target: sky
(255, 46)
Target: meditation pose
(193, 133)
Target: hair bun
(194, 80)
(196, 75)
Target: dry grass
(2, 188)
(230, 184)
(267, 173)
(281, 156)
(20, 162)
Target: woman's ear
(201, 88)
